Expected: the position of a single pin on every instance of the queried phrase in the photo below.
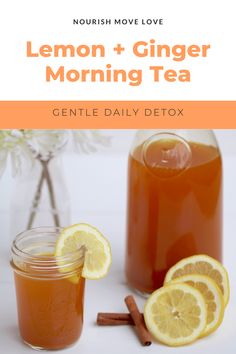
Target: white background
(101, 201)
(50, 22)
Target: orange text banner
(117, 114)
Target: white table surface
(102, 202)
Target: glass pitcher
(174, 203)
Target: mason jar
(49, 290)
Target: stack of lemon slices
(191, 303)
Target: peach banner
(117, 114)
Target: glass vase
(40, 196)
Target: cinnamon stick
(104, 321)
(143, 334)
(114, 319)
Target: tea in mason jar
(49, 299)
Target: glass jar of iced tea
(174, 203)
(49, 290)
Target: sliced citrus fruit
(205, 265)
(176, 314)
(96, 249)
(212, 295)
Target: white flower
(24, 146)
(13, 146)
(46, 143)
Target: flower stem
(36, 201)
(51, 192)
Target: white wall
(122, 139)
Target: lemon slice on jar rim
(96, 249)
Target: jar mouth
(166, 155)
(33, 255)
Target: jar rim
(44, 265)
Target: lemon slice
(205, 265)
(176, 314)
(212, 295)
(97, 251)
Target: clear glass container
(174, 203)
(40, 196)
(49, 290)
